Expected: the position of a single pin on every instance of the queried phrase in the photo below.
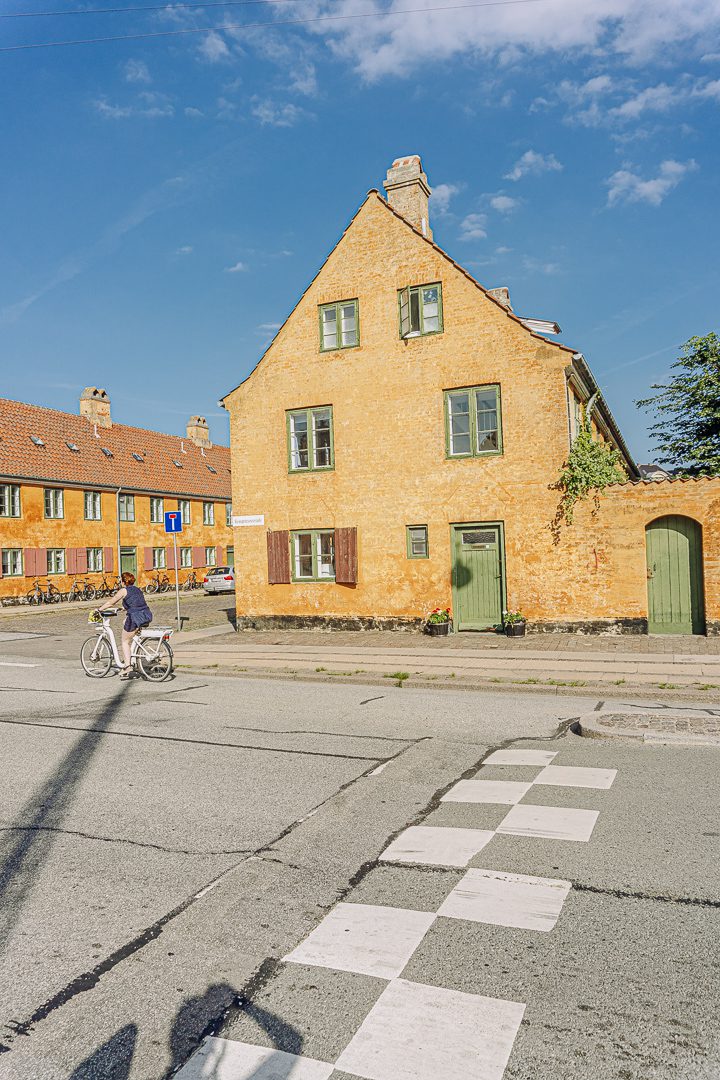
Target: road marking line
(570, 776)
(417, 1032)
(365, 939)
(549, 822)
(521, 757)
(436, 846)
(225, 1059)
(504, 792)
(489, 896)
(7, 663)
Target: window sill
(474, 457)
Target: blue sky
(164, 201)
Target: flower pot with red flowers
(514, 623)
(438, 622)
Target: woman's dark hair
(127, 578)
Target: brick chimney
(198, 431)
(95, 406)
(408, 192)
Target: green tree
(687, 409)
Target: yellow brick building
(82, 497)
(397, 446)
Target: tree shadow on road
(30, 840)
(112, 1060)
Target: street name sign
(249, 519)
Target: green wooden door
(477, 576)
(675, 576)
(128, 561)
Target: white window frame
(10, 500)
(126, 507)
(94, 560)
(55, 561)
(210, 556)
(158, 558)
(184, 510)
(92, 505)
(208, 513)
(54, 500)
(12, 562)
(157, 517)
(186, 558)
(323, 564)
(228, 514)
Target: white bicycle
(150, 652)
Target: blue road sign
(173, 521)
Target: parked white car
(219, 579)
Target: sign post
(173, 524)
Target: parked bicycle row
(45, 592)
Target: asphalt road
(162, 849)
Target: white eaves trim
(540, 326)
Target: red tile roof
(89, 466)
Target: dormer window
(37, 440)
(420, 310)
(71, 446)
(108, 453)
(138, 457)
(339, 327)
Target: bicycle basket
(94, 617)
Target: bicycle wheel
(54, 595)
(165, 587)
(96, 657)
(33, 597)
(157, 667)
(89, 592)
(151, 587)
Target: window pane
(321, 438)
(418, 541)
(487, 426)
(303, 556)
(404, 313)
(329, 328)
(326, 554)
(299, 441)
(414, 312)
(430, 310)
(459, 408)
(348, 324)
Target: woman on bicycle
(138, 615)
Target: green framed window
(416, 537)
(94, 560)
(157, 510)
(228, 514)
(158, 558)
(313, 555)
(56, 560)
(186, 558)
(54, 503)
(208, 513)
(93, 505)
(9, 500)
(339, 325)
(420, 310)
(126, 507)
(310, 439)
(473, 421)
(12, 562)
(184, 508)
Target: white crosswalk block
(490, 896)
(549, 822)
(225, 1059)
(366, 939)
(437, 846)
(521, 757)
(571, 776)
(418, 1032)
(503, 792)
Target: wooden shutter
(278, 545)
(148, 563)
(29, 561)
(81, 561)
(170, 557)
(108, 560)
(198, 557)
(71, 555)
(346, 556)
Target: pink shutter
(29, 561)
(170, 557)
(148, 564)
(108, 560)
(71, 561)
(219, 560)
(198, 557)
(81, 560)
(41, 566)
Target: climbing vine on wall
(590, 468)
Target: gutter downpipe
(117, 529)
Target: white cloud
(268, 112)
(213, 48)
(473, 227)
(441, 196)
(268, 327)
(538, 266)
(149, 104)
(238, 268)
(186, 249)
(625, 186)
(533, 164)
(502, 250)
(193, 112)
(303, 79)
(136, 71)
(504, 203)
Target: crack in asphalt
(629, 894)
(330, 734)
(89, 979)
(122, 840)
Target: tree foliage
(687, 409)
(591, 467)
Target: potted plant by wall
(514, 623)
(438, 622)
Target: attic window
(177, 464)
(213, 471)
(420, 310)
(37, 440)
(138, 457)
(106, 452)
(71, 446)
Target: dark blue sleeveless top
(138, 612)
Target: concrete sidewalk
(471, 661)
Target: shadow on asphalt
(112, 1061)
(42, 817)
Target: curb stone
(651, 729)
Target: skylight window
(37, 440)
(71, 446)
(138, 457)
(177, 464)
(210, 469)
(106, 452)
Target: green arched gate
(675, 576)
